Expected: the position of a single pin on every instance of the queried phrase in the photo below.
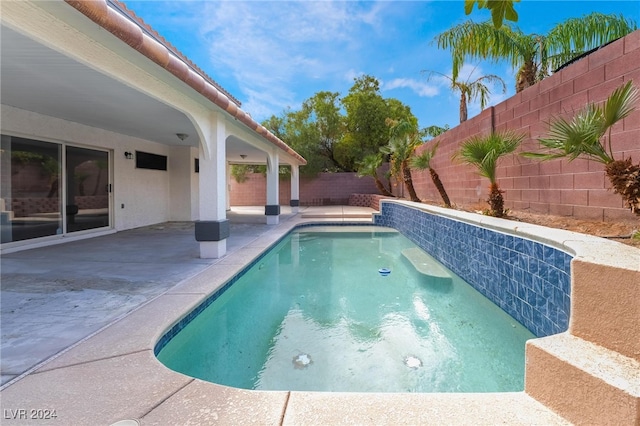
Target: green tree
(396, 110)
(588, 136)
(404, 139)
(471, 90)
(483, 152)
(240, 172)
(307, 132)
(368, 166)
(322, 110)
(534, 55)
(331, 140)
(276, 125)
(422, 161)
(365, 128)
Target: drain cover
(412, 362)
(128, 422)
(302, 361)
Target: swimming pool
(315, 313)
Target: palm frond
(483, 152)
(528, 48)
(579, 35)
(582, 137)
(402, 129)
(430, 74)
(481, 41)
(577, 138)
(422, 161)
(386, 150)
(492, 78)
(404, 138)
(542, 156)
(620, 104)
(477, 152)
(369, 165)
(433, 131)
(478, 90)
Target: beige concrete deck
(54, 296)
(113, 375)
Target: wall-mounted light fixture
(128, 155)
(243, 156)
(182, 136)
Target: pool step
(583, 382)
(424, 263)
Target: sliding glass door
(30, 194)
(87, 183)
(51, 189)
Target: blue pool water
(316, 314)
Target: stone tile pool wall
(527, 279)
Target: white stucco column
(295, 188)
(228, 185)
(272, 209)
(212, 229)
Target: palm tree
(423, 162)
(588, 136)
(500, 10)
(404, 139)
(471, 90)
(433, 131)
(369, 167)
(483, 152)
(534, 55)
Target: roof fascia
(129, 30)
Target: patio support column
(228, 185)
(212, 229)
(272, 209)
(295, 188)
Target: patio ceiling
(37, 78)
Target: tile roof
(121, 6)
(114, 17)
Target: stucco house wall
(145, 194)
(105, 80)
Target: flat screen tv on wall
(146, 160)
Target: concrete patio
(53, 297)
(115, 296)
(113, 376)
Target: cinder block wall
(324, 189)
(579, 188)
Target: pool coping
(114, 375)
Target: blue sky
(273, 55)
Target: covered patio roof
(40, 78)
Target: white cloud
(271, 48)
(421, 88)
(352, 74)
